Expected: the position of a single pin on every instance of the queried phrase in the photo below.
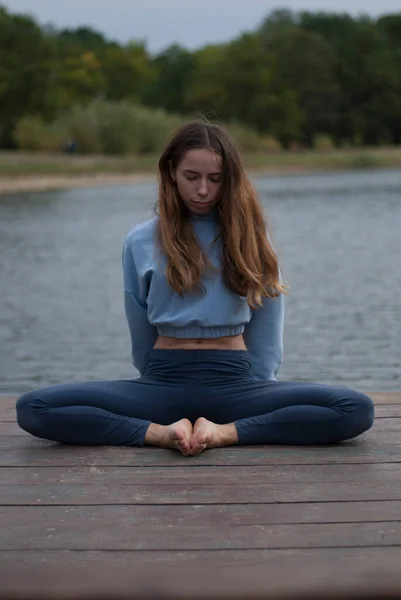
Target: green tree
(277, 22)
(246, 75)
(390, 27)
(25, 72)
(128, 71)
(172, 75)
(368, 70)
(79, 79)
(305, 67)
(81, 40)
(206, 91)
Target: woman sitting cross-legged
(204, 303)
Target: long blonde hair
(249, 264)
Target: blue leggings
(216, 384)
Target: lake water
(338, 236)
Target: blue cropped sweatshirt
(153, 308)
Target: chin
(199, 208)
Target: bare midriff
(232, 342)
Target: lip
(196, 203)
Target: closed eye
(192, 176)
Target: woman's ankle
(154, 434)
(229, 434)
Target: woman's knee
(31, 410)
(363, 412)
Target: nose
(203, 190)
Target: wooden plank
(7, 408)
(385, 397)
(387, 425)
(57, 518)
(370, 448)
(140, 536)
(366, 556)
(37, 453)
(375, 474)
(10, 428)
(352, 573)
(387, 410)
(233, 493)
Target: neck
(211, 215)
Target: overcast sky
(191, 23)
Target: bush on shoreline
(120, 128)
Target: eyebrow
(197, 172)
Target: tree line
(298, 76)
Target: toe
(197, 449)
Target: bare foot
(176, 436)
(207, 434)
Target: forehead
(201, 161)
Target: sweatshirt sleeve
(263, 338)
(143, 334)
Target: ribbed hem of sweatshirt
(200, 332)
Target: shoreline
(44, 183)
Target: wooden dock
(242, 522)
